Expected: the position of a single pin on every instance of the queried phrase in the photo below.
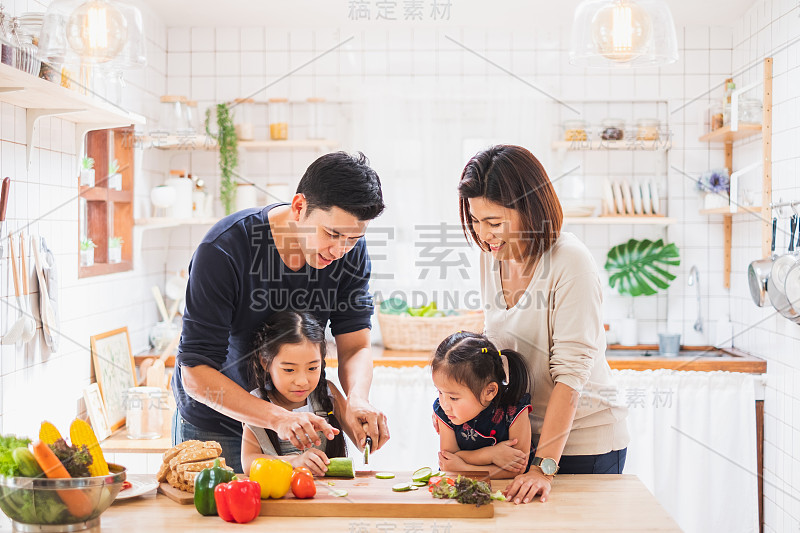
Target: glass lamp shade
(97, 31)
(133, 54)
(623, 33)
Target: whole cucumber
(26, 462)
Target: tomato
(303, 469)
(303, 485)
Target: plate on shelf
(626, 197)
(637, 198)
(654, 198)
(608, 198)
(618, 201)
(139, 487)
(647, 206)
(578, 210)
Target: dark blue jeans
(231, 446)
(605, 463)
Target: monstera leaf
(638, 267)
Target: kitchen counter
(696, 358)
(583, 503)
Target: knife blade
(367, 447)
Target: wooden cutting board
(368, 496)
(180, 496)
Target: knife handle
(4, 198)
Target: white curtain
(693, 444)
(693, 440)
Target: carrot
(76, 501)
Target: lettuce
(9, 443)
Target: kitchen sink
(625, 354)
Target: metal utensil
(776, 285)
(694, 280)
(758, 273)
(48, 318)
(367, 444)
(791, 286)
(14, 333)
(51, 279)
(30, 322)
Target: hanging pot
(776, 285)
(758, 273)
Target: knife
(367, 445)
(3, 205)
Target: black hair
(345, 181)
(294, 327)
(471, 359)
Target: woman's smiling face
(500, 228)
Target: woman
(542, 297)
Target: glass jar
(278, 119)
(716, 118)
(750, 111)
(192, 117)
(144, 411)
(6, 48)
(316, 118)
(243, 113)
(575, 130)
(612, 129)
(172, 117)
(647, 129)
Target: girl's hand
(450, 462)
(313, 459)
(509, 458)
(525, 487)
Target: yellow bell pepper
(274, 476)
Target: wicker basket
(404, 332)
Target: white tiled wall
(36, 384)
(420, 101)
(772, 29)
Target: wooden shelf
(42, 98)
(741, 210)
(597, 145)
(653, 220)
(320, 144)
(725, 135)
(163, 222)
(102, 194)
(101, 269)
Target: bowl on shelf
(578, 210)
(38, 504)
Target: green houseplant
(115, 249)
(87, 247)
(228, 154)
(639, 268)
(114, 177)
(87, 172)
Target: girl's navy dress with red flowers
(489, 427)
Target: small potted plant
(115, 249)
(87, 172)
(716, 187)
(87, 251)
(638, 268)
(114, 177)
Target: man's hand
(359, 413)
(301, 429)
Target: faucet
(694, 280)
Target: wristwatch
(549, 466)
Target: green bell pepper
(204, 486)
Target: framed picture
(115, 370)
(96, 411)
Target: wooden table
(583, 503)
(119, 442)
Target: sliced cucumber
(419, 483)
(402, 487)
(423, 474)
(341, 467)
(384, 475)
(339, 493)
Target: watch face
(549, 466)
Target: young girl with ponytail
(288, 369)
(483, 405)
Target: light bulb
(97, 31)
(621, 30)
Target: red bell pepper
(238, 501)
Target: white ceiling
(536, 14)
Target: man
(309, 255)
